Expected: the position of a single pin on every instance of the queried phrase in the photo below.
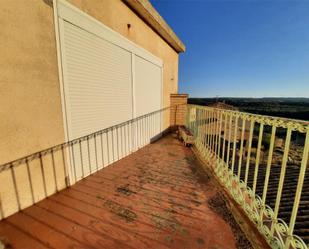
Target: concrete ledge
(147, 12)
(179, 95)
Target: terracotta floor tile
(150, 199)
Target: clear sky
(241, 48)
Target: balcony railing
(28, 180)
(262, 162)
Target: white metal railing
(27, 180)
(262, 162)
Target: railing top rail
(57, 147)
(294, 124)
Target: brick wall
(178, 109)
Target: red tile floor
(150, 199)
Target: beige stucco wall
(30, 103)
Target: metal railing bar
(224, 136)
(102, 150)
(241, 148)
(229, 142)
(30, 181)
(249, 152)
(211, 127)
(13, 175)
(234, 143)
(65, 173)
(1, 209)
(54, 170)
(71, 142)
(96, 152)
(257, 158)
(123, 152)
(43, 175)
(201, 128)
(73, 160)
(212, 131)
(268, 168)
(219, 134)
(281, 180)
(108, 149)
(208, 128)
(300, 183)
(144, 131)
(113, 144)
(89, 157)
(81, 158)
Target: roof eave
(149, 14)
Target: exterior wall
(30, 104)
(31, 114)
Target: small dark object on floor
(125, 190)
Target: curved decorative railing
(262, 162)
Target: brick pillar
(178, 109)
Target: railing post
(300, 183)
(257, 159)
(207, 128)
(281, 180)
(234, 144)
(219, 135)
(213, 130)
(267, 174)
(224, 136)
(204, 131)
(229, 141)
(241, 148)
(249, 151)
(210, 128)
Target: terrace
(229, 190)
(153, 198)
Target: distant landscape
(295, 108)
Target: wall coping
(149, 14)
(182, 95)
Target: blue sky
(241, 48)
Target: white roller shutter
(98, 82)
(107, 80)
(147, 98)
(98, 92)
(147, 86)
